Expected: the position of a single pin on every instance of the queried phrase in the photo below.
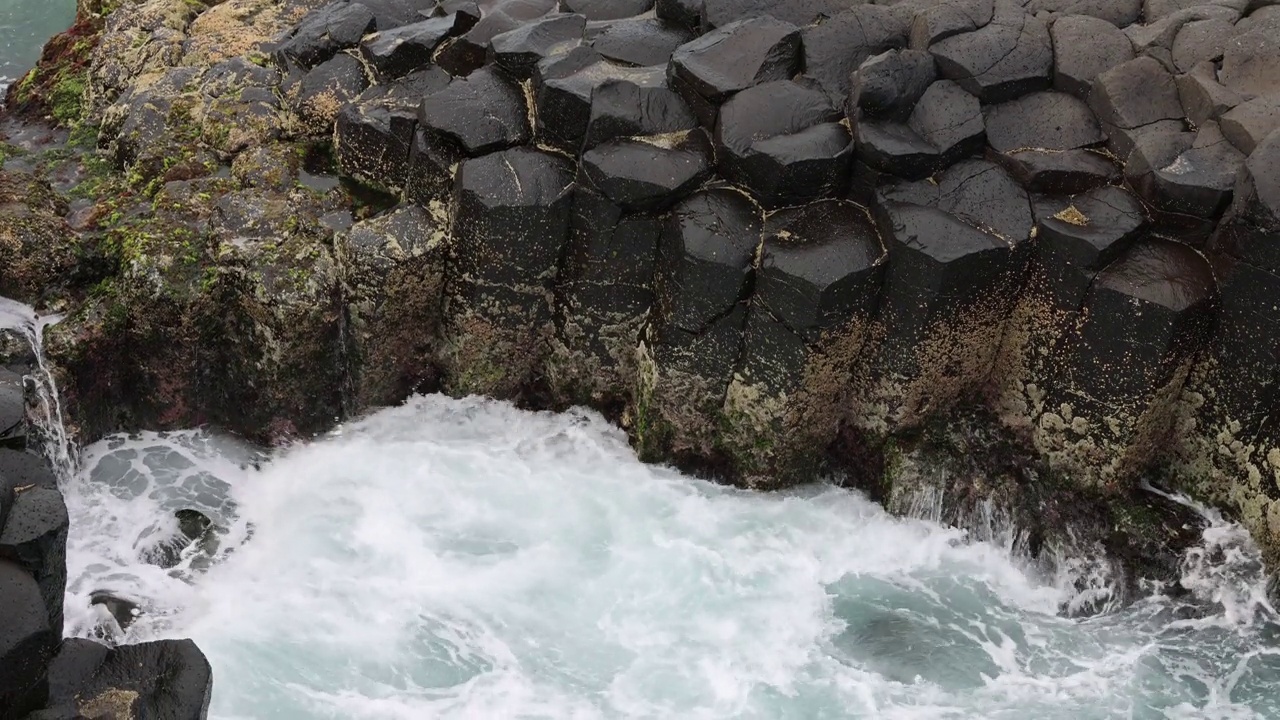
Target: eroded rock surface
(769, 239)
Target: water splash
(44, 406)
(460, 559)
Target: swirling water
(464, 559)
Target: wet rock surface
(769, 239)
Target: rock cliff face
(1034, 239)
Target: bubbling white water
(463, 559)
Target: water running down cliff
(460, 558)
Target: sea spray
(461, 558)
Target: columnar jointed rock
(956, 265)
(394, 276)
(1076, 237)
(373, 136)
(784, 143)
(510, 225)
(709, 70)
(1123, 367)
(816, 293)
(706, 256)
(467, 118)
(585, 184)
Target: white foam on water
(463, 559)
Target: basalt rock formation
(775, 241)
(43, 676)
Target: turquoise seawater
(25, 25)
(465, 559)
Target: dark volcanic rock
(707, 248)
(510, 226)
(388, 14)
(945, 125)
(709, 70)
(466, 53)
(1077, 237)
(519, 51)
(1010, 56)
(783, 142)
(325, 90)
(816, 293)
(1053, 171)
(641, 41)
(718, 13)
(160, 679)
(35, 536)
(954, 272)
(945, 19)
(1248, 123)
(1186, 173)
(890, 84)
(705, 258)
(470, 117)
(123, 612)
(1203, 97)
(608, 9)
(1042, 120)
(19, 468)
(685, 13)
(323, 32)
(605, 291)
(394, 266)
(1251, 62)
(1252, 223)
(566, 87)
(645, 174)
(27, 641)
(1200, 41)
(622, 108)
(1145, 316)
(1117, 13)
(840, 44)
(373, 137)
(1137, 93)
(399, 51)
(1084, 48)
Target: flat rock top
(821, 242)
(1161, 272)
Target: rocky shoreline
(1009, 251)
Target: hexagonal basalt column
(466, 53)
(603, 297)
(956, 265)
(633, 101)
(470, 117)
(1076, 237)
(394, 268)
(816, 294)
(1235, 453)
(510, 225)
(709, 70)
(1124, 365)
(784, 143)
(690, 348)
(373, 136)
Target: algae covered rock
(393, 269)
(509, 229)
(37, 248)
(816, 294)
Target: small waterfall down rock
(462, 559)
